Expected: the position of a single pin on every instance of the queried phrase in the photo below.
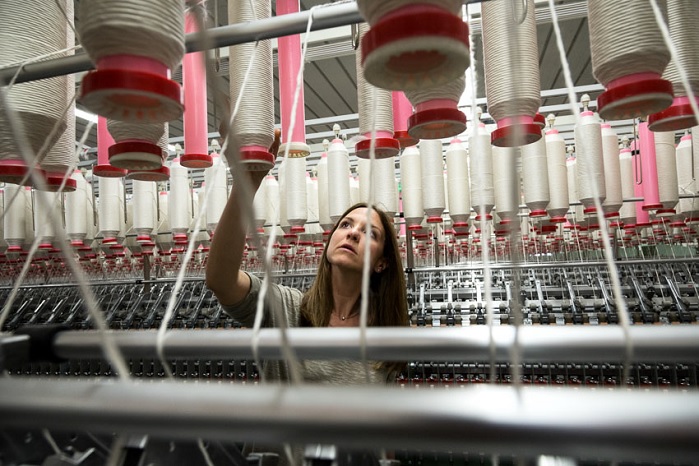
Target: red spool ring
(136, 155)
(437, 123)
(537, 213)
(676, 117)
(55, 180)
(515, 135)
(160, 174)
(635, 99)
(108, 171)
(196, 160)
(256, 160)
(383, 148)
(405, 139)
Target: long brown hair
(388, 305)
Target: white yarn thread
(31, 29)
(370, 97)
(14, 218)
(373, 11)
(383, 178)
(432, 169)
(411, 186)
(481, 158)
(450, 91)
(323, 189)
(666, 164)
(144, 203)
(122, 131)
(295, 191)
(338, 180)
(688, 207)
(612, 174)
(108, 28)
(535, 175)
(458, 188)
(215, 179)
(179, 202)
(109, 206)
(506, 182)
(253, 125)
(619, 51)
(557, 174)
(76, 208)
(511, 59)
(627, 212)
(590, 160)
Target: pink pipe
(651, 195)
(289, 56)
(402, 110)
(195, 117)
(642, 216)
(104, 141)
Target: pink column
(104, 141)
(402, 110)
(289, 56)
(640, 180)
(651, 196)
(195, 119)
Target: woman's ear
(380, 265)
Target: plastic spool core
(132, 88)
(256, 158)
(159, 174)
(515, 131)
(677, 117)
(384, 148)
(437, 123)
(635, 95)
(135, 155)
(415, 46)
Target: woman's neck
(346, 293)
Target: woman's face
(347, 243)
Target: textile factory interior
(539, 159)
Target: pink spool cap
(256, 158)
(415, 46)
(402, 111)
(132, 88)
(135, 154)
(436, 119)
(384, 147)
(195, 118)
(676, 117)
(159, 174)
(515, 131)
(635, 95)
(104, 142)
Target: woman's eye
(344, 224)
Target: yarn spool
(136, 145)
(179, 202)
(364, 179)
(338, 180)
(682, 23)
(29, 232)
(323, 206)
(354, 190)
(648, 177)
(31, 29)
(511, 70)
(627, 212)
(375, 115)
(612, 175)
(158, 174)
(458, 189)
(411, 188)
(482, 194)
(271, 186)
(215, 181)
(402, 110)
(132, 81)
(289, 58)
(383, 179)
(688, 207)
(557, 177)
(259, 208)
(295, 193)
(14, 219)
(144, 205)
(535, 180)
(506, 184)
(283, 221)
(195, 118)
(76, 210)
(628, 64)
(44, 203)
(589, 161)
(312, 207)
(665, 159)
(431, 168)
(413, 43)
(437, 114)
(573, 190)
(104, 142)
(163, 238)
(253, 126)
(109, 209)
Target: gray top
(289, 301)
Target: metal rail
(676, 343)
(609, 424)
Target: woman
(335, 296)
